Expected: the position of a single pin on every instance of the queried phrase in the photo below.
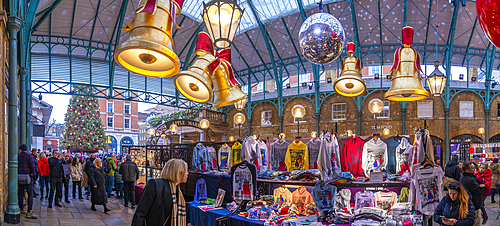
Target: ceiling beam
(117, 30)
(405, 12)
(265, 36)
(293, 43)
(194, 37)
(355, 28)
(93, 27)
(180, 25)
(256, 50)
(28, 25)
(427, 31)
(45, 15)
(470, 40)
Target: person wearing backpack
(109, 167)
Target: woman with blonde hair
(97, 181)
(456, 207)
(162, 202)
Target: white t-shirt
(427, 184)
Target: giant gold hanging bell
(405, 73)
(148, 50)
(196, 82)
(350, 83)
(225, 93)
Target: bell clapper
(147, 58)
(194, 87)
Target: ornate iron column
(12, 214)
(23, 97)
(403, 116)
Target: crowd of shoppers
(467, 184)
(98, 175)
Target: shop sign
(183, 122)
(301, 130)
(383, 127)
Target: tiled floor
(78, 213)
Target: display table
(197, 217)
(213, 182)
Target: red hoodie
(485, 178)
(43, 167)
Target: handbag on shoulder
(23, 179)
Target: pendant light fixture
(222, 18)
(436, 81)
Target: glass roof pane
(267, 10)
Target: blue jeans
(110, 180)
(44, 182)
(119, 189)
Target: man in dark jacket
(26, 166)
(130, 174)
(56, 174)
(470, 182)
(452, 172)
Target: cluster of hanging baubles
(148, 50)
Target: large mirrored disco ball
(321, 38)
(487, 14)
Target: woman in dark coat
(97, 181)
(456, 207)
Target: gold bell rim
(139, 44)
(223, 104)
(353, 77)
(191, 74)
(415, 95)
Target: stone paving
(78, 213)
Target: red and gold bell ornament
(148, 50)
(350, 82)
(405, 72)
(488, 15)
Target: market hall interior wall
(436, 123)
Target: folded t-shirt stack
(401, 208)
(370, 213)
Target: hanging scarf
(179, 206)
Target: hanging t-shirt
(297, 157)
(313, 147)
(363, 199)
(235, 154)
(385, 200)
(213, 157)
(392, 145)
(402, 155)
(201, 158)
(351, 156)
(324, 196)
(250, 152)
(426, 189)
(374, 156)
(282, 196)
(301, 198)
(201, 190)
(243, 177)
(224, 158)
(278, 152)
(329, 158)
(262, 149)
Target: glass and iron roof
(87, 32)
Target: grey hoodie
(329, 158)
(278, 152)
(343, 203)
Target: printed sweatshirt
(201, 158)
(250, 152)
(235, 154)
(301, 198)
(343, 203)
(392, 145)
(262, 151)
(313, 147)
(283, 196)
(374, 156)
(225, 158)
(329, 158)
(324, 196)
(212, 157)
(351, 156)
(297, 157)
(278, 152)
(401, 154)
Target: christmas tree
(84, 129)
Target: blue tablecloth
(197, 217)
(213, 186)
